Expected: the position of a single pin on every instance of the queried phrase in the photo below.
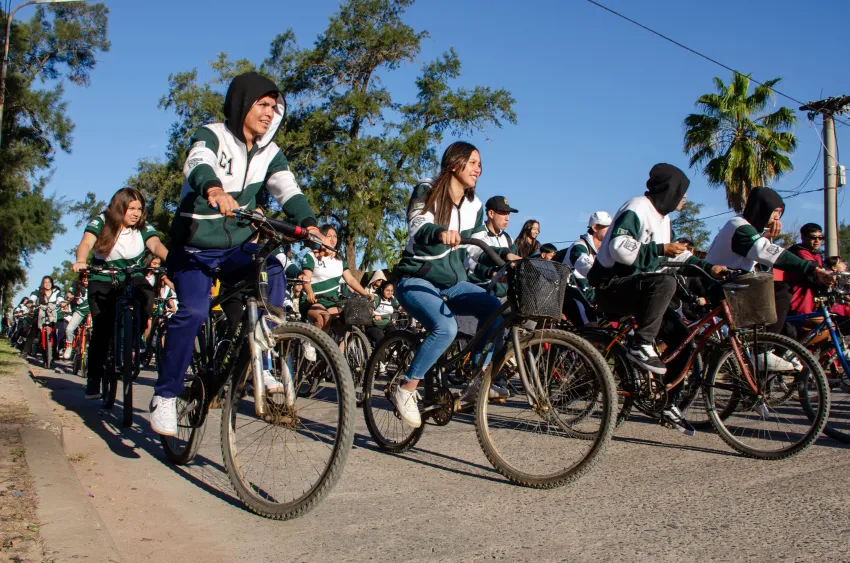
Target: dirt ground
(18, 521)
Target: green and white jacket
(580, 257)
(739, 246)
(479, 267)
(326, 279)
(129, 248)
(425, 256)
(218, 159)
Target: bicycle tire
(127, 364)
(743, 401)
(192, 407)
(604, 392)
(838, 424)
(343, 441)
(76, 363)
(159, 346)
(620, 366)
(378, 409)
(359, 354)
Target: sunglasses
(815, 237)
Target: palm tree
(735, 146)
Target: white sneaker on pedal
(644, 355)
(498, 392)
(773, 363)
(407, 406)
(164, 416)
(272, 384)
(309, 352)
(66, 355)
(792, 358)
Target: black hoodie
(666, 187)
(241, 96)
(760, 206)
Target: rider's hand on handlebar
(824, 276)
(511, 257)
(79, 267)
(221, 200)
(673, 249)
(450, 238)
(719, 272)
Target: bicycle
(560, 420)
(46, 318)
(124, 356)
(272, 429)
(834, 356)
(739, 387)
(156, 336)
(79, 347)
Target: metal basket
(357, 311)
(539, 287)
(750, 298)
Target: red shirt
(802, 298)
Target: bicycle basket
(357, 311)
(539, 287)
(750, 298)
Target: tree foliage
(355, 150)
(688, 224)
(58, 43)
(735, 143)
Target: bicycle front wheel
(283, 463)
(761, 422)
(556, 434)
(357, 353)
(838, 425)
(128, 356)
(192, 408)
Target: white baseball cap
(599, 218)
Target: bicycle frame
(823, 313)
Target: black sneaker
(671, 417)
(92, 392)
(645, 356)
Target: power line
(693, 51)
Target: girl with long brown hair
(526, 242)
(435, 286)
(119, 237)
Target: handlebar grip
(486, 248)
(288, 229)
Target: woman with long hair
(119, 238)
(526, 242)
(324, 272)
(435, 286)
(46, 294)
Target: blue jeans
(425, 303)
(192, 272)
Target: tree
(688, 224)
(354, 149)
(735, 144)
(59, 43)
(844, 240)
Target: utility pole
(828, 108)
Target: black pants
(576, 308)
(61, 334)
(102, 299)
(782, 294)
(644, 296)
(376, 334)
(33, 333)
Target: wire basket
(750, 298)
(539, 287)
(357, 311)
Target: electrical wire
(695, 52)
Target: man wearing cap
(480, 267)
(580, 256)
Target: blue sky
(599, 100)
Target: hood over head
(666, 187)
(760, 205)
(243, 93)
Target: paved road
(656, 495)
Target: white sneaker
(309, 352)
(498, 392)
(773, 362)
(164, 416)
(408, 409)
(66, 355)
(791, 357)
(272, 384)
(382, 368)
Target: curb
(70, 526)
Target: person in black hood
(227, 167)
(764, 209)
(666, 188)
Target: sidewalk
(44, 512)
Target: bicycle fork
(257, 365)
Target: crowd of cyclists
(627, 263)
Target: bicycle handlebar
(486, 248)
(283, 228)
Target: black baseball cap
(499, 203)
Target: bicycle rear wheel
(758, 423)
(555, 438)
(386, 372)
(283, 464)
